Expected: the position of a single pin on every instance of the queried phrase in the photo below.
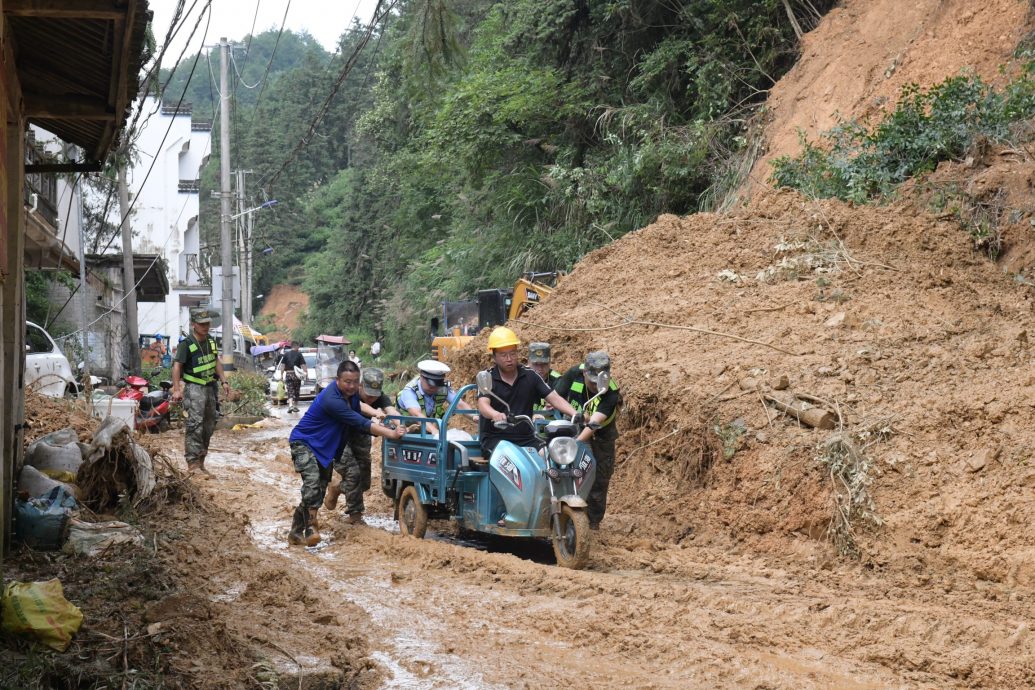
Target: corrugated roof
(78, 63)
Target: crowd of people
(334, 435)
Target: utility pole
(224, 198)
(244, 247)
(129, 281)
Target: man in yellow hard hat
(520, 387)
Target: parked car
(308, 388)
(47, 370)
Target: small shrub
(859, 164)
(247, 395)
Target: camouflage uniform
(314, 477)
(354, 468)
(293, 384)
(199, 402)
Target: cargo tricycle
(518, 492)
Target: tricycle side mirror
(484, 381)
(603, 380)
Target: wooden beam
(66, 108)
(73, 167)
(64, 9)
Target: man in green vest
(577, 386)
(196, 375)
(539, 362)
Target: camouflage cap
(373, 381)
(199, 315)
(598, 360)
(539, 352)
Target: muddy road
(447, 613)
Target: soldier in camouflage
(196, 375)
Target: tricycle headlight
(563, 450)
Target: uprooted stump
(114, 468)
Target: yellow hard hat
(502, 336)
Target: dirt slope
(284, 306)
(857, 60)
(885, 313)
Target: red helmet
(136, 381)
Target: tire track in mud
(644, 615)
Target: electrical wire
(206, 11)
(346, 69)
(266, 73)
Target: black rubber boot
(296, 537)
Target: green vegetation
(474, 140)
(861, 164)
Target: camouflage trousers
(603, 446)
(199, 403)
(315, 477)
(293, 384)
(354, 468)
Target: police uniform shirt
(528, 388)
(606, 404)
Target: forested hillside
(472, 140)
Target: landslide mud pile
(919, 344)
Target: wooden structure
(71, 67)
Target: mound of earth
(885, 315)
(284, 308)
(856, 61)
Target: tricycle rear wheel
(572, 547)
(411, 514)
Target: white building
(165, 210)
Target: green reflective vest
(201, 366)
(580, 388)
(441, 398)
(551, 381)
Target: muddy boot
(312, 528)
(355, 519)
(330, 501)
(296, 537)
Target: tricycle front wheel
(411, 514)
(572, 547)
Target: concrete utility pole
(129, 280)
(224, 198)
(244, 247)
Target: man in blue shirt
(319, 438)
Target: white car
(308, 387)
(47, 370)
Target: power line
(269, 64)
(346, 69)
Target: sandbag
(56, 455)
(40, 610)
(34, 483)
(42, 523)
(94, 538)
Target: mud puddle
(411, 655)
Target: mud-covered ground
(445, 613)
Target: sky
(325, 20)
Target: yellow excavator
(462, 320)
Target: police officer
(428, 395)
(539, 362)
(577, 386)
(196, 374)
(520, 388)
(318, 441)
(354, 463)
